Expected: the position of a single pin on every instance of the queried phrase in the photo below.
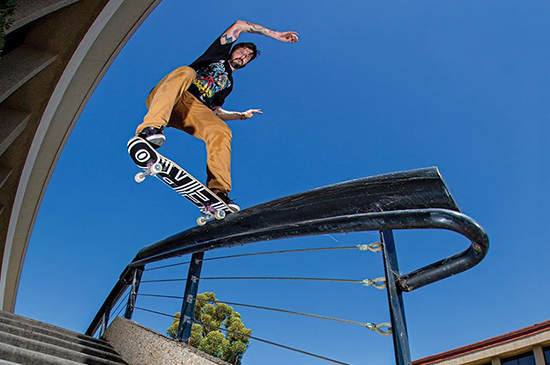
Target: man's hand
(250, 113)
(289, 37)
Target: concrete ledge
(28, 11)
(139, 345)
(13, 124)
(20, 66)
(4, 174)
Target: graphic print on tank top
(211, 80)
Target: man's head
(242, 54)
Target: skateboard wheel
(220, 214)
(139, 177)
(156, 168)
(201, 221)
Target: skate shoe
(154, 136)
(225, 198)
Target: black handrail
(331, 210)
(411, 219)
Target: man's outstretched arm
(234, 31)
(227, 115)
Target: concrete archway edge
(114, 26)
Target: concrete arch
(56, 53)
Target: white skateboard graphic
(182, 182)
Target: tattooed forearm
(258, 29)
(255, 28)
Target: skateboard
(154, 164)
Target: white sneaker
(153, 135)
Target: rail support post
(395, 300)
(104, 321)
(136, 280)
(188, 305)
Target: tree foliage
(7, 8)
(205, 336)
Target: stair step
(53, 331)
(23, 356)
(110, 354)
(4, 362)
(52, 327)
(53, 350)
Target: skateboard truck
(151, 170)
(210, 213)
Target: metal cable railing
(381, 328)
(410, 200)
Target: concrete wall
(141, 346)
(56, 53)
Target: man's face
(240, 57)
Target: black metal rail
(416, 199)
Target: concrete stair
(29, 342)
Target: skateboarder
(190, 99)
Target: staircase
(29, 342)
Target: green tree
(209, 316)
(7, 8)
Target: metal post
(136, 280)
(395, 299)
(105, 321)
(191, 289)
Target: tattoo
(255, 28)
(226, 38)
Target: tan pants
(170, 104)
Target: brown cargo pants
(170, 104)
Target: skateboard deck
(182, 182)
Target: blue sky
(372, 87)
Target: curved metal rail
(416, 199)
(407, 219)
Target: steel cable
(160, 296)
(251, 337)
(162, 280)
(370, 326)
(165, 266)
(373, 247)
(155, 312)
(117, 314)
(120, 302)
(378, 283)
(277, 344)
(279, 278)
(291, 251)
